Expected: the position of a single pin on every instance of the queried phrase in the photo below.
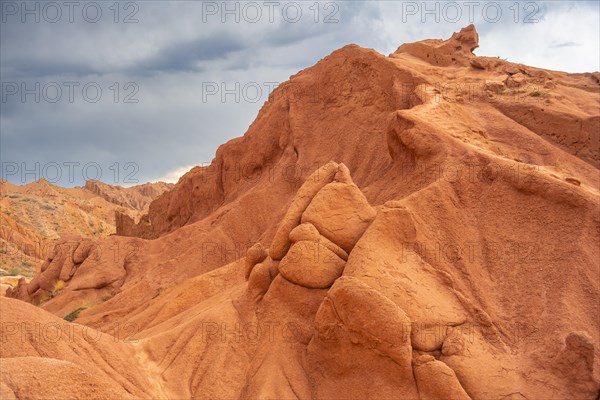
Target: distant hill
(35, 215)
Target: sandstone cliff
(422, 225)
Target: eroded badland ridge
(35, 215)
(423, 225)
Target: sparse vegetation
(41, 298)
(105, 296)
(72, 316)
(14, 272)
(58, 287)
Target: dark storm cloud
(186, 55)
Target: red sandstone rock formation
(426, 228)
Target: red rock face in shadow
(429, 245)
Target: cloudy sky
(139, 91)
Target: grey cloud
(563, 44)
(26, 69)
(185, 56)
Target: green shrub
(72, 316)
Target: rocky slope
(34, 216)
(136, 197)
(422, 225)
